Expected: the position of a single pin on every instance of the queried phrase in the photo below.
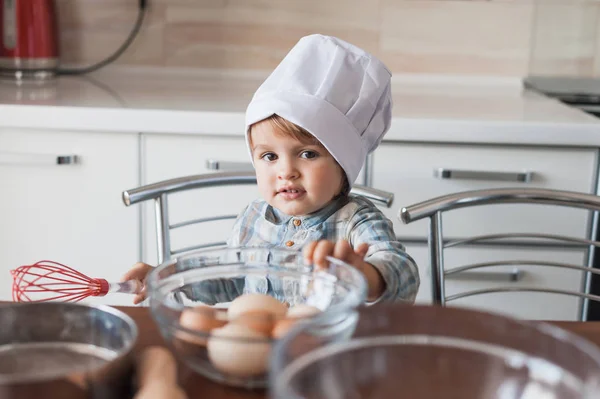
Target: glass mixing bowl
(399, 351)
(220, 310)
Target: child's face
(295, 177)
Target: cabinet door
(170, 156)
(526, 305)
(409, 171)
(72, 212)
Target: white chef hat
(336, 91)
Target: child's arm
(386, 254)
(317, 251)
(370, 245)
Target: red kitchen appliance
(29, 47)
(28, 40)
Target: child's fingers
(137, 272)
(323, 249)
(343, 251)
(362, 250)
(308, 251)
(138, 298)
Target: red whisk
(40, 281)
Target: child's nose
(288, 171)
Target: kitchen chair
(434, 208)
(161, 190)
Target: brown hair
(289, 129)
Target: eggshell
(258, 320)
(282, 327)
(302, 310)
(202, 319)
(238, 350)
(250, 302)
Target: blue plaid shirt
(354, 219)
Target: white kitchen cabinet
(412, 172)
(408, 169)
(526, 305)
(169, 156)
(69, 213)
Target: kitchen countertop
(426, 108)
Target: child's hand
(317, 251)
(139, 271)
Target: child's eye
(308, 154)
(268, 156)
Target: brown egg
(251, 302)
(294, 314)
(302, 310)
(202, 319)
(239, 350)
(259, 320)
(282, 327)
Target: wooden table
(194, 384)
(198, 386)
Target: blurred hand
(317, 252)
(139, 272)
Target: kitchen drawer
(69, 211)
(408, 170)
(526, 305)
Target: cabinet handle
(444, 173)
(214, 164)
(513, 276)
(15, 158)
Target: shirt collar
(276, 216)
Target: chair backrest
(437, 245)
(160, 191)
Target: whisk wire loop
(50, 281)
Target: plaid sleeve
(234, 237)
(387, 254)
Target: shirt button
(297, 222)
(289, 243)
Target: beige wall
(493, 37)
(565, 38)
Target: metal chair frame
(434, 208)
(160, 191)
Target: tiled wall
(493, 37)
(565, 35)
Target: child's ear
(345, 185)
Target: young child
(309, 128)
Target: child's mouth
(291, 194)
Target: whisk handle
(127, 287)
